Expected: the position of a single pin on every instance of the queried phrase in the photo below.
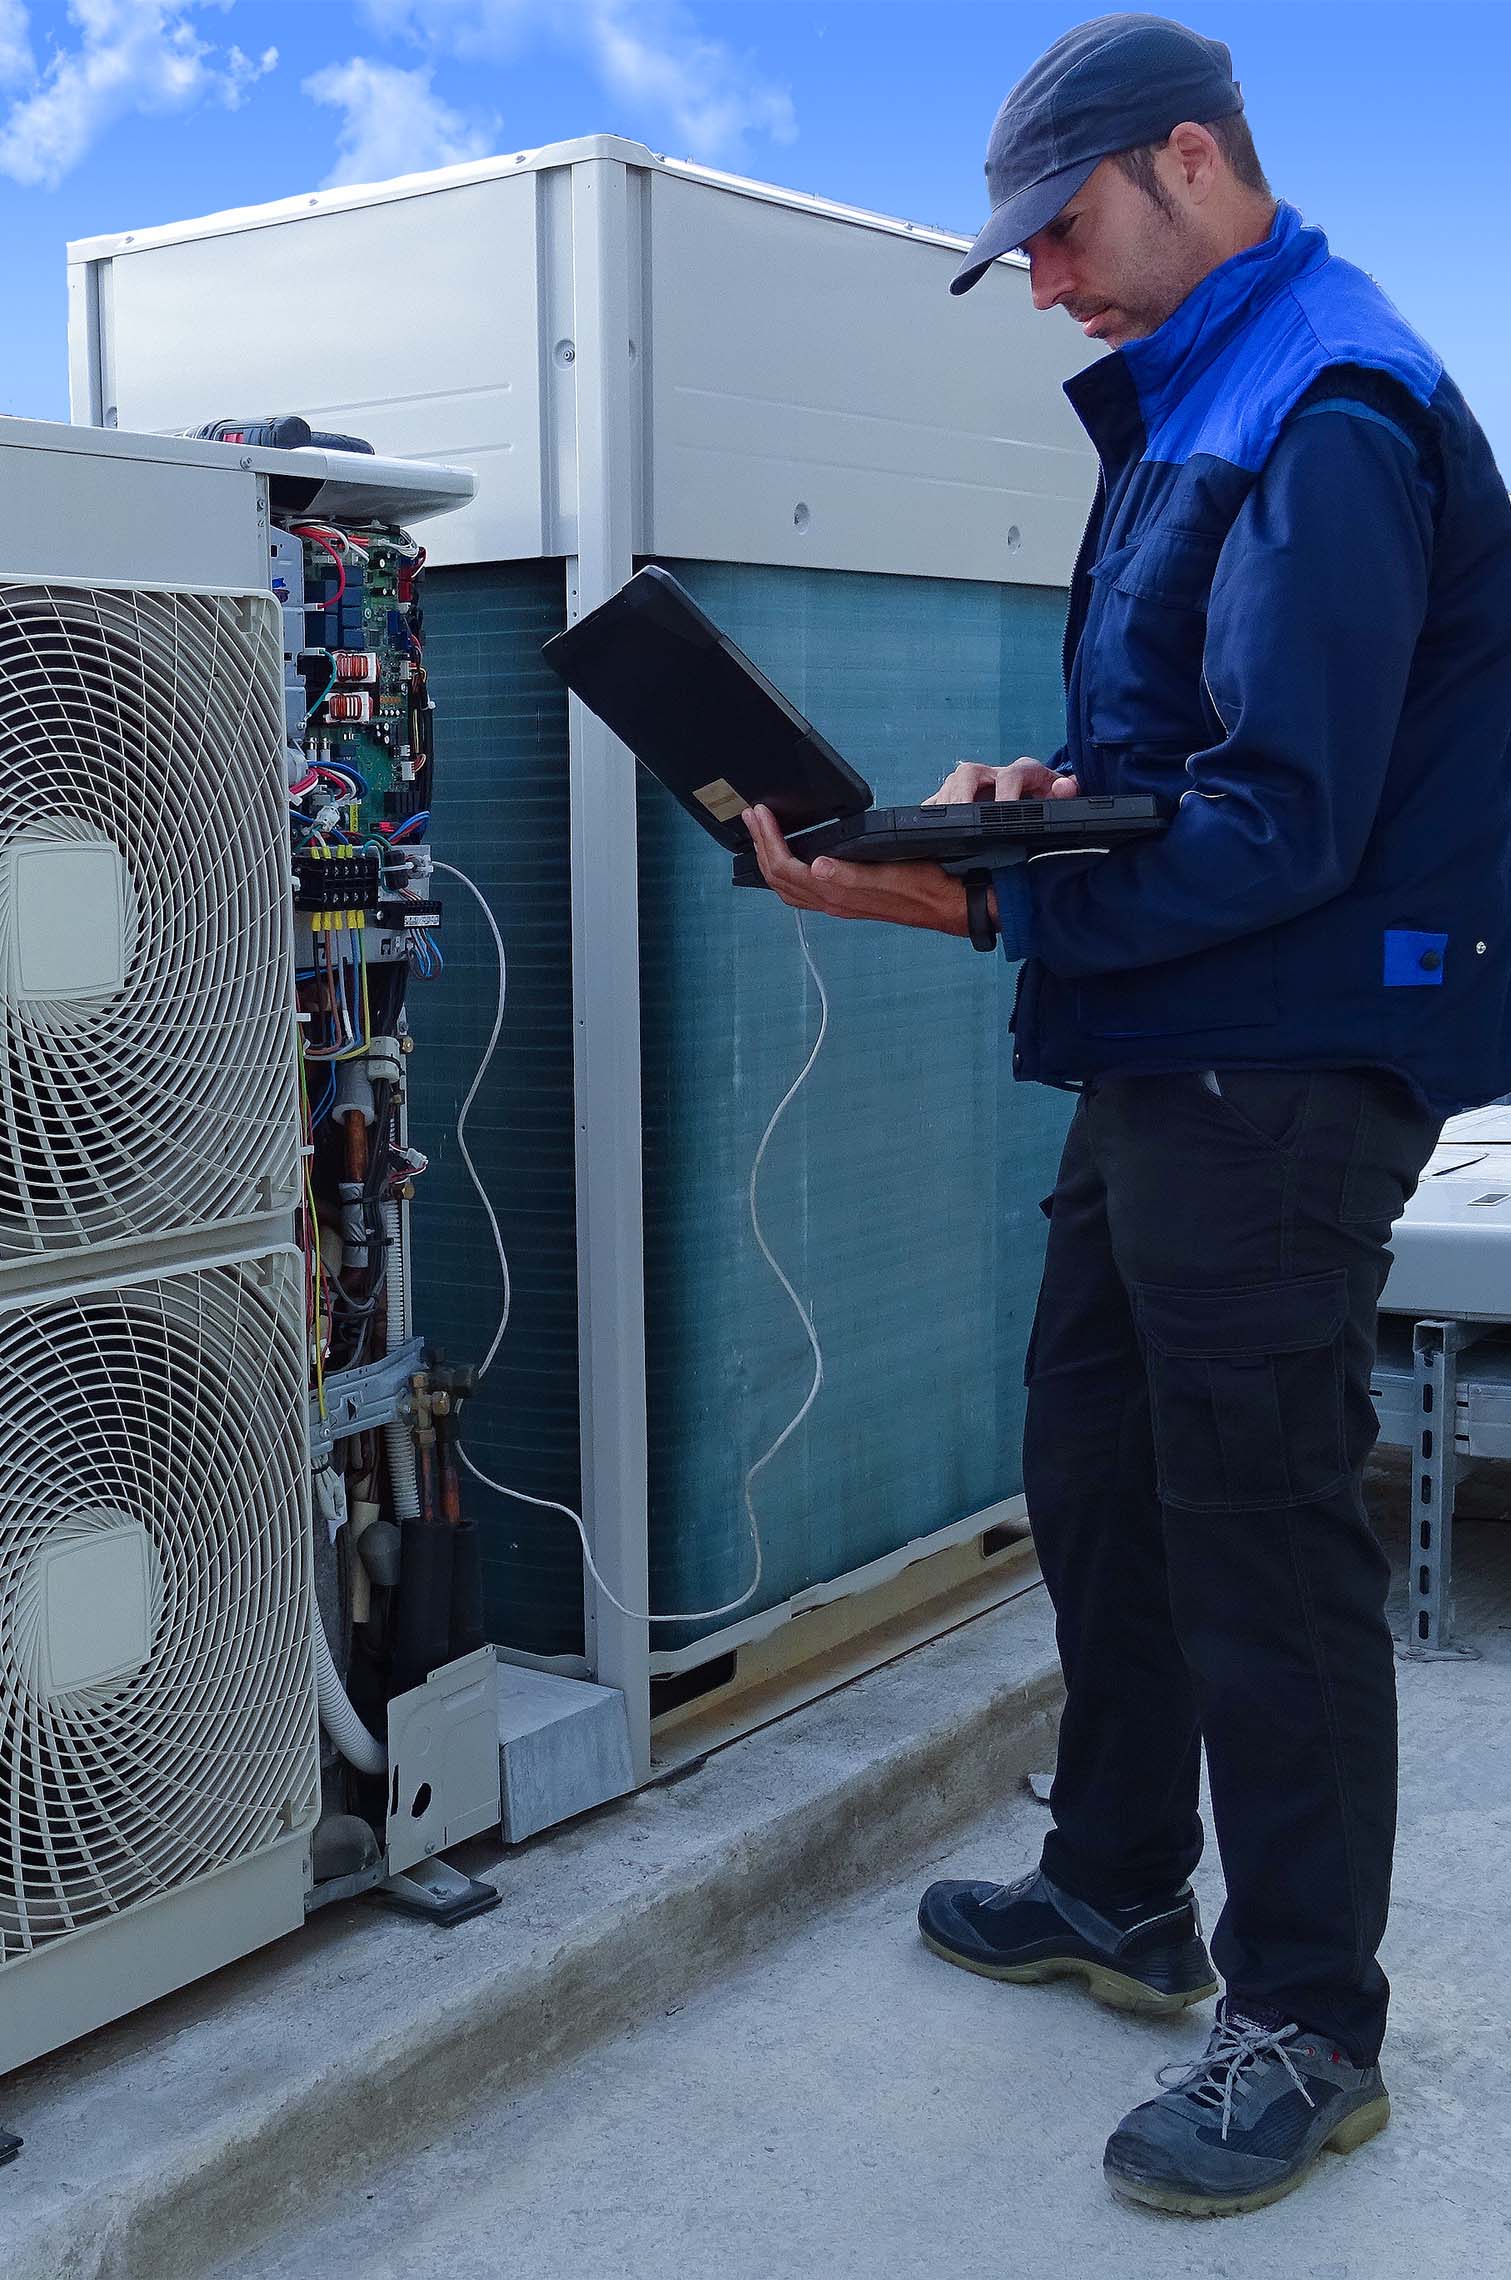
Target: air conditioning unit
(158, 1755)
(159, 1747)
(164, 1295)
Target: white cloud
(16, 61)
(131, 56)
(680, 86)
(654, 55)
(395, 123)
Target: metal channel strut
(1435, 1348)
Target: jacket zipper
(1212, 701)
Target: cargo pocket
(1246, 1391)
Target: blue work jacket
(1291, 620)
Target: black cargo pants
(1198, 1422)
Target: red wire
(303, 530)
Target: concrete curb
(160, 2149)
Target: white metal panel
(122, 510)
(123, 1962)
(812, 394)
(817, 396)
(295, 317)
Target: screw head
(1480, 949)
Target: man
(1291, 619)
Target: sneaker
(1244, 2125)
(1144, 1958)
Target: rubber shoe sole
(1354, 2130)
(1115, 1990)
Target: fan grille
(147, 1069)
(157, 1708)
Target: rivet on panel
(566, 352)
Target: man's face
(1114, 260)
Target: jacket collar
(1159, 369)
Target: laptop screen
(704, 720)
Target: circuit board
(368, 712)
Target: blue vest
(1291, 621)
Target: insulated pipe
(398, 1441)
(340, 1720)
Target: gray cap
(1117, 83)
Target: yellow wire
(306, 1133)
(354, 1052)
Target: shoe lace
(1216, 2078)
(1006, 1893)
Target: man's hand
(904, 894)
(1023, 780)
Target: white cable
(483, 1067)
(337, 1716)
(548, 1504)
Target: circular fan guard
(150, 723)
(169, 1407)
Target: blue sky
(1384, 120)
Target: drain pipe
(359, 1748)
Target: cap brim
(1015, 221)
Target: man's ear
(1194, 150)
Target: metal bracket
(357, 1401)
(436, 1890)
(1435, 1348)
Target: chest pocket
(1144, 641)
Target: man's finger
(961, 785)
(780, 868)
(839, 881)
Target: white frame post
(606, 965)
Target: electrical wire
(473, 1089)
(307, 530)
(549, 1504)
(319, 701)
(315, 1269)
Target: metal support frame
(603, 353)
(360, 1400)
(1435, 1348)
